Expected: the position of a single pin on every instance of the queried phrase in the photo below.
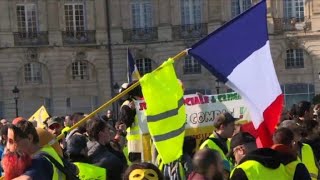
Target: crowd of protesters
(98, 149)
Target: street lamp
(15, 92)
(218, 86)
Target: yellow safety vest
(212, 145)
(308, 159)
(165, 119)
(133, 133)
(65, 129)
(134, 143)
(89, 171)
(291, 168)
(57, 174)
(256, 171)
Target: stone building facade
(70, 55)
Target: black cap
(240, 139)
(223, 118)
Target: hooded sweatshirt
(267, 157)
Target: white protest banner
(201, 110)
(200, 113)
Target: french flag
(132, 70)
(238, 54)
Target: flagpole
(114, 99)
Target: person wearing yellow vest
(22, 136)
(129, 118)
(224, 125)
(283, 140)
(306, 156)
(304, 151)
(77, 153)
(253, 163)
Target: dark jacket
(102, 157)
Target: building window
(80, 70)
(294, 93)
(239, 6)
(191, 66)
(144, 65)
(32, 72)
(294, 9)
(141, 13)
(191, 11)
(85, 104)
(294, 58)
(74, 17)
(27, 20)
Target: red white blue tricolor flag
(238, 54)
(132, 70)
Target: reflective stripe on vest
(134, 142)
(133, 133)
(256, 171)
(307, 158)
(163, 116)
(89, 171)
(57, 174)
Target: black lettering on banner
(209, 116)
(193, 118)
(201, 117)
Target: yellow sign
(40, 116)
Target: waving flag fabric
(238, 54)
(133, 73)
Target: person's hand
(122, 127)
(132, 105)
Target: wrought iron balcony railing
(79, 37)
(140, 34)
(190, 31)
(30, 38)
(291, 24)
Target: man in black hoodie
(284, 143)
(253, 163)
